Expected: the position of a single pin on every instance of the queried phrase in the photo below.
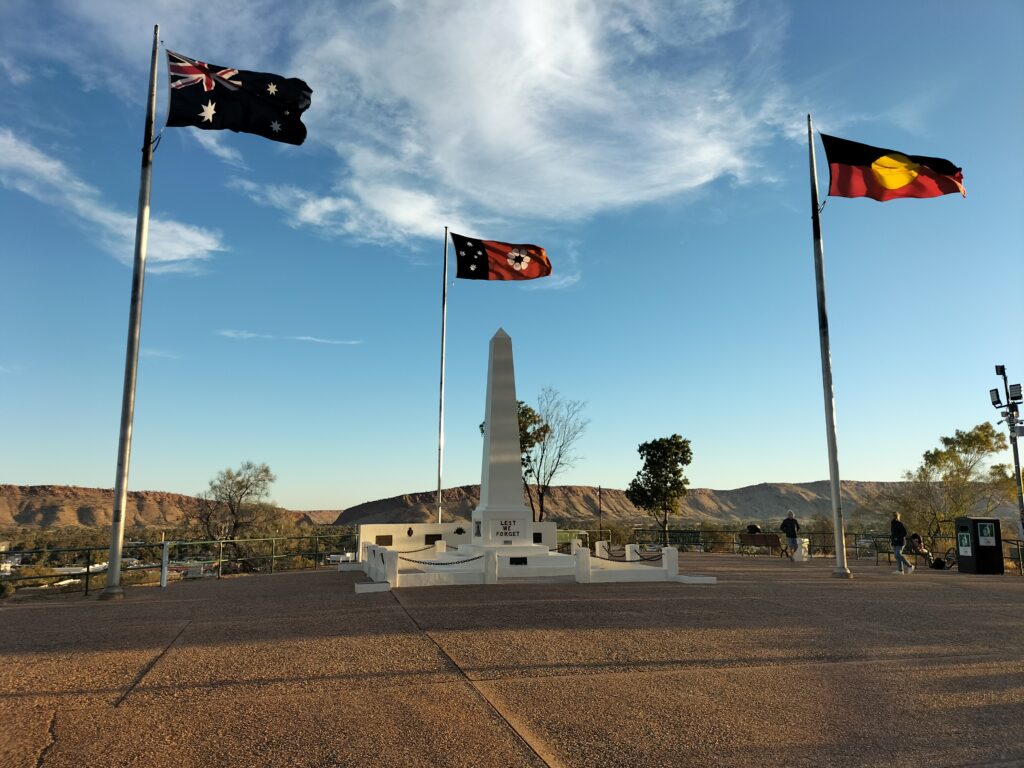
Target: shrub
(30, 571)
(719, 541)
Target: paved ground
(778, 664)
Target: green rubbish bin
(979, 545)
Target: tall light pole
(1012, 416)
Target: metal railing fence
(76, 569)
(859, 545)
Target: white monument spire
(502, 519)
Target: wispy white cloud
(554, 110)
(566, 271)
(173, 245)
(318, 340)
(212, 142)
(12, 72)
(246, 335)
(506, 111)
(233, 334)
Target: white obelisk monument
(502, 521)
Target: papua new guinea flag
(493, 260)
(860, 170)
(216, 98)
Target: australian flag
(216, 98)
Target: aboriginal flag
(860, 170)
(491, 260)
(216, 98)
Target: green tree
(953, 480)
(532, 430)
(660, 485)
(235, 503)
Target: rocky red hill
(61, 505)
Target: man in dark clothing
(789, 527)
(898, 537)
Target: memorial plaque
(507, 529)
(517, 561)
(383, 541)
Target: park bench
(884, 547)
(749, 542)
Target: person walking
(898, 537)
(789, 527)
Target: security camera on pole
(1011, 415)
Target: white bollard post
(491, 567)
(165, 558)
(582, 555)
(601, 549)
(670, 562)
(391, 568)
(632, 552)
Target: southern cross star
(275, 126)
(272, 89)
(209, 110)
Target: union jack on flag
(190, 72)
(214, 98)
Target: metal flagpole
(440, 408)
(131, 363)
(841, 569)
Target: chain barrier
(437, 562)
(623, 560)
(650, 559)
(410, 551)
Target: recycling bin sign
(963, 543)
(986, 534)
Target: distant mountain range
(62, 505)
(765, 501)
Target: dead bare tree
(555, 451)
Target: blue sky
(657, 150)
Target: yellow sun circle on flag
(894, 170)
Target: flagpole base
(842, 573)
(112, 593)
